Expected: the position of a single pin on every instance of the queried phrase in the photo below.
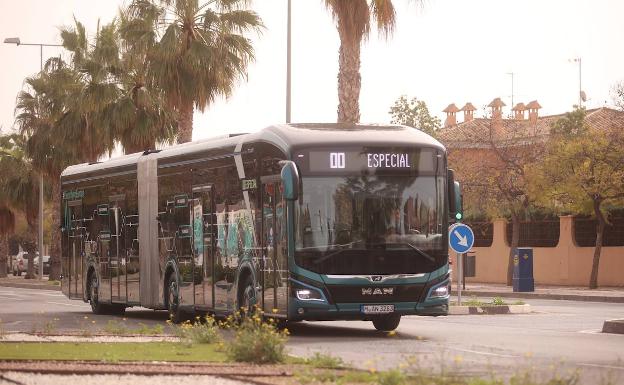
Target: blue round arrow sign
(461, 238)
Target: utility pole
(17, 41)
(512, 88)
(580, 93)
(288, 62)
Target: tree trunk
(30, 246)
(4, 252)
(515, 240)
(185, 123)
(55, 239)
(593, 278)
(349, 80)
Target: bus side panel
(150, 285)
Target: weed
(519, 302)
(257, 341)
(498, 301)
(391, 377)
(146, 330)
(49, 327)
(116, 328)
(206, 332)
(2, 331)
(327, 361)
(473, 301)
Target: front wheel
(173, 299)
(247, 300)
(387, 323)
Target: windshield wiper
(416, 249)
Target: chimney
(519, 111)
(469, 110)
(451, 119)
(533, 107)
(497, 108)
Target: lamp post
(581, 96)
(17, 41)
(288, 62)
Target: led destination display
(371, 160)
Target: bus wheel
(173, 299)
(96, 306)
(247, 299)
(387, 323)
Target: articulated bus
(303, 221)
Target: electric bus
(301, 221)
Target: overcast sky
(445, 51)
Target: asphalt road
(558, 335)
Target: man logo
(376, 278)
(378, 291)
(337, 160)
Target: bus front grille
(375, 294)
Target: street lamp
(17, 41)
(582, 95)
(288, 61)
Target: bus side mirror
(290, 180)
(450, 186)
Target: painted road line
(485, 353)
(68, 304)
(602, 366)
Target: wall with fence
(563, 251)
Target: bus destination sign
(372, 160)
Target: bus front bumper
(309, 311)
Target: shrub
(498, 301)
(206, 332)
(257, 342)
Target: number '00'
(337, 160)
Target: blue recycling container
(523, 270)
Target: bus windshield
(371, 224)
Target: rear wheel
(387, 323)
(96, 306)
(173, 299)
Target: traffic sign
(461, 238)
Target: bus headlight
(439, 292)
(306, 294)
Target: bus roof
(284, 136)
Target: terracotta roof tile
(519, 107)
(451, 108)
(476, 133)
(468, 107)
(497, 103)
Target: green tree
(414, 113)
(19, 187)
(353, 21)
(583, 172)
(201, 51)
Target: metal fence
(585, 232)
(542, 233)
(483, 232)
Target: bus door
(202, 214)
(74, 255)
(117, 250)
(274, 248)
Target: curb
(489, 310)
(567, 297)
(38, 286)
(615, 326)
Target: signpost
(461, 239)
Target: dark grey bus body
(211, 215)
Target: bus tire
(173, 299)
(387, 323)
(247, 297)
(96, 306)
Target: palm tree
(7, 226)
(20, 188)
(200, 51)
(353, 21)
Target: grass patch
(119, 351)
(257, 342)
(518, 302)
(2, 331)
(327, 361)
(203, 331)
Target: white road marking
(66, 304)
(602, 366)
(485, 353)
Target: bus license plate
(377, 309)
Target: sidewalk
(572, 293)
(20, 282)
